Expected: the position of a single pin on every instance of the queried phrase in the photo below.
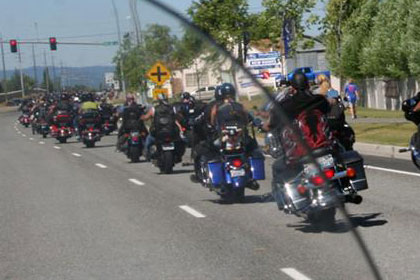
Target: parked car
(204, 93)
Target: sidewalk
(6, 109)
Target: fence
(382, 93)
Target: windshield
(210, 162)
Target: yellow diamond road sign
(158, 74)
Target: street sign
(158, 74)
(157, 91)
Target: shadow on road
(100, 146)
(248, 199)
(340, 226)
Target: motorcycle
(43, 128)
(415, 153)
(168, 151)
(25, 120)
(61, 128)
(133, 146)
(316, 197)
(233, 171)
(108, 125)
(90, 135)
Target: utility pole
(61, 75)
(4, 66)
(34, 62)
(120, 44)
(22, 85)
(47, 78)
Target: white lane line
(41, 142)
(24, 135)
(294, 274)
(57, 148)
(137, 182)
(100, 165)
(192, 211)
(76, 154)
(32, 139)
(392, 170)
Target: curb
(387, 151)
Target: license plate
(169, 147)
(324, 162)
(237, 173)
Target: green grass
(397, 134)
(376, 113)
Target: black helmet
(227, 90)
(299, 81)
(87, 97)
(186, 95)
(218, 93)
(64, 96)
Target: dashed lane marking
(137, 182)
(76, 154)
(41, 142)
(57, 148)
(192, 211)
(100, 165)
(294, 274)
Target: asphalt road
(67, 212)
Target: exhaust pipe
(357, 199)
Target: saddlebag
(354, 159)
(216, 173)
(257, 168)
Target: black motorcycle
(168, 151)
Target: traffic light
(13, 46)
(53, 44)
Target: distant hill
(91, 76)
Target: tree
(412, 39)
(385, 54)
(44, 81)
(337, 15)
(278, 11)
(356, 36)
(14, 82)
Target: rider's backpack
(164, 118)
(313, 128)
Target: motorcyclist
(411, 108)
(161, 109)
(89, 112)
(131, 119)
(295, 100)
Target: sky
(74, 21)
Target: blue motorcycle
(233, 170)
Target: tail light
(237, 162)
(351, 172)
(317, 180)
(91, 129)
(301, 189)
(329, 173)
(183, 129)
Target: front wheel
(167, 162)
(134, 153)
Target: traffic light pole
(22, 85)
(46, 77)
(4, 68)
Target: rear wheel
(90, 144)
(44, 135)
(134, 153)
(233, 195)
(167, 162)
(62, 140)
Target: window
(191, 79)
